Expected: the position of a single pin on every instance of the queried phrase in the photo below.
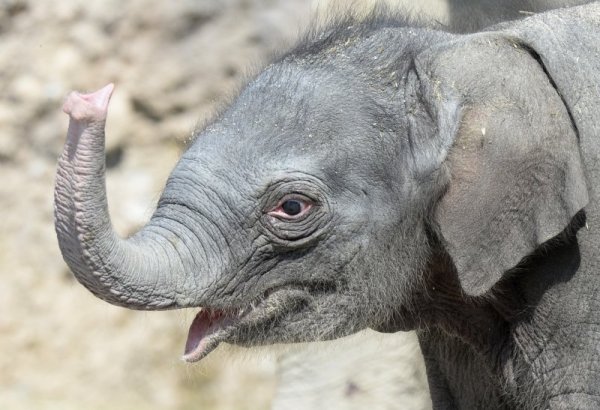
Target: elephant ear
(516, 177)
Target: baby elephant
(386, 176)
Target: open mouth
(207, 330)
(210, 327)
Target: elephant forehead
(298, 106)
(269, 125)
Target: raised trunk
(136, 273)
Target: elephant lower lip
(213, 326)
(207, 330)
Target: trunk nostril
(88, 107)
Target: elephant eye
(292, 208)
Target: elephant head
(313, 207)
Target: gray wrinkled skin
(453, 189)
(469, 15)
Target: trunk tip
(88, 107)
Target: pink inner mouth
(213, 326)
(206, 323)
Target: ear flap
(516, 176)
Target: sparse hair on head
(337, 25)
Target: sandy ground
(173, 63)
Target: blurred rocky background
(174, 64)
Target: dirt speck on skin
(174, 64)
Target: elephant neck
(534, 340)
(555, 340)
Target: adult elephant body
(468, 15)
(386, 176)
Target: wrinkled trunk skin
(130, 273)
